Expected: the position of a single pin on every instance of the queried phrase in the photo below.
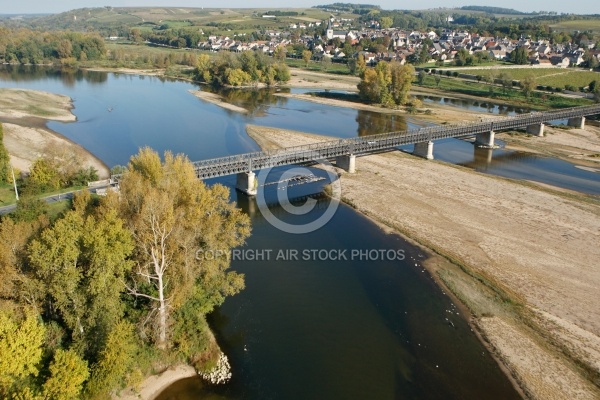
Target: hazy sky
(56, 6)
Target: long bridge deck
(235, 164)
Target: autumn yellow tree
(174, 217)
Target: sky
(57, 6)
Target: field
(555, 77)
(513, 96)
(578, 25)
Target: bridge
(344, 151)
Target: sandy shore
(581, 146)
(24, 114)
(534, 253)
(155, 384)
(22, 103)
(217, 100)
(300, 78)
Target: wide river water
(311, 327)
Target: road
(53, 198)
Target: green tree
(506, 81)
(82, 261)
(44, 174)
(115, 361)
(282, 72)
(401, 81)
(249, 64)
(528, 84)
(68, 372)
(4, 159)
(21, 349)
(306, 56)
(520, 55)
(237, 77)
(203, 68)
(421, 77)
(386, 22)
(174, 218)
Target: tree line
(90, 302)
(32, 47)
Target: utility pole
(14, 182)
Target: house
(559, 60)
(498, 54)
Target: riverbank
(153, 385)
(24, 114)
(579, 146)
(520, 256)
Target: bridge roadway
(244, 163)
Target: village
(444, 46)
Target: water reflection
(476, 105)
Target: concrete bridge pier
(347, 163)
(247, 183)
(536, 130)
(578, 123)
(424, 149)
(485, 140)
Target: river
(325, 323)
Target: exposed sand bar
(540, 246)
(152, 386)
(217, 100)
(24, 114)
(20, 103)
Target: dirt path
(536, 250)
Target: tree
(528, 84)
(21, 349)
(82, 261)
(306, 56)
(203, 68)
(44, 174)
(387, 83)
(520, 55)
(237, 77)
(4, 159)
(115, 361)
(279, 53)
(68, 372)
(506, 81)
(368, 88)
(173, 216)
(282, 72)
(402, 76)
(361, 64)
(326, 63)
(386, 22)
(421, 77)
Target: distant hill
(493, 10)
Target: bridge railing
(336, 147)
